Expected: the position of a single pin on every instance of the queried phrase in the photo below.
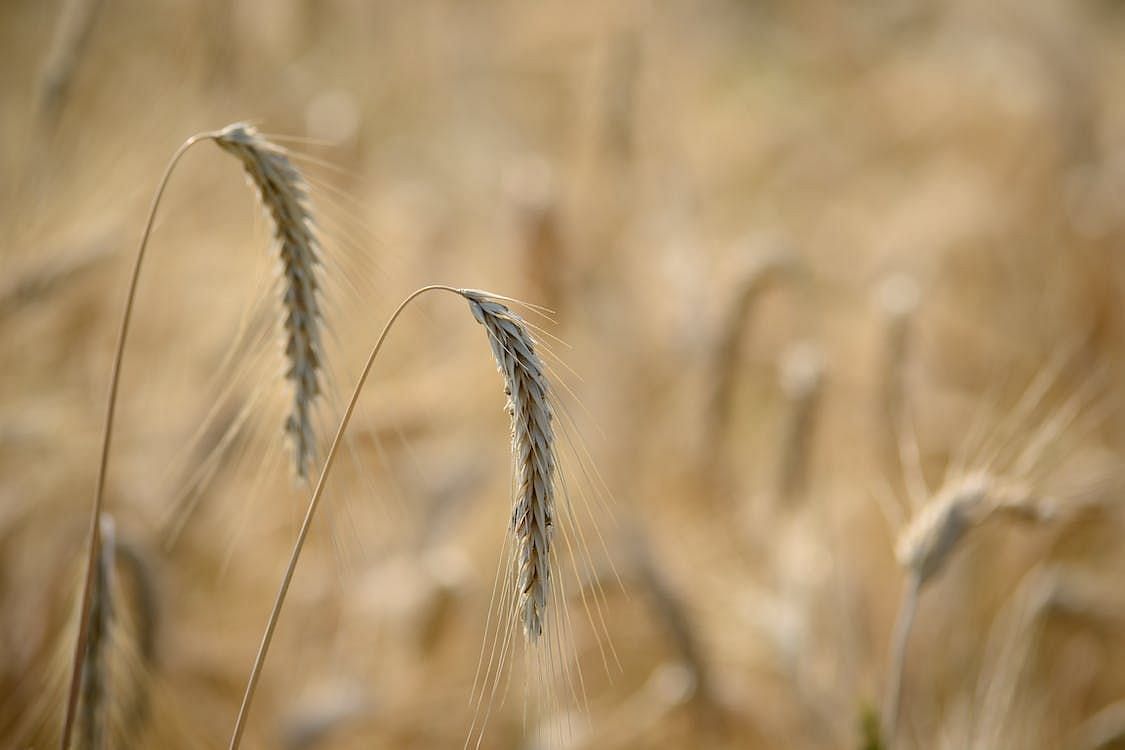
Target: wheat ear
(283, 192)
(284, 196)
(801, 375)
(533, 450)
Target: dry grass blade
(761, 270)
(897, 297)
(284, 196)
(533, 449)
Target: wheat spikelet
(284, 195)
(533, 448)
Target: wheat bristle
(283, 192)
(533, 449)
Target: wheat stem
(314, 501)
(904, 621)
(107, 438)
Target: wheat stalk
(283, 191)
(534, 451)
(284, 196)
(107, 441)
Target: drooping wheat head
(283, 192)
(533, 449)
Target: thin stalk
(904, 621)
(107, 438)
(314, 501)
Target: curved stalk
(107, 438)
(314, 502)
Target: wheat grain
(533, 449)
(284, 196)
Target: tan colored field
(836, 293)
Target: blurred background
(819, 271)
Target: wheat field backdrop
(808, 423)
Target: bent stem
(314, 501)
(908, 605)
(82, 643)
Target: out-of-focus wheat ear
(323, 712)
(929, 540)
(623, 69)
(39, 284)
(533, 450)
(897, 297)
(94, 705)
(669, 609)
(72, 33)
(760, 270)
(283, 192)
(138, 623)
(531, 184)
(801, 374)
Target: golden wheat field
(766, 391)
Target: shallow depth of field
(836, 295)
